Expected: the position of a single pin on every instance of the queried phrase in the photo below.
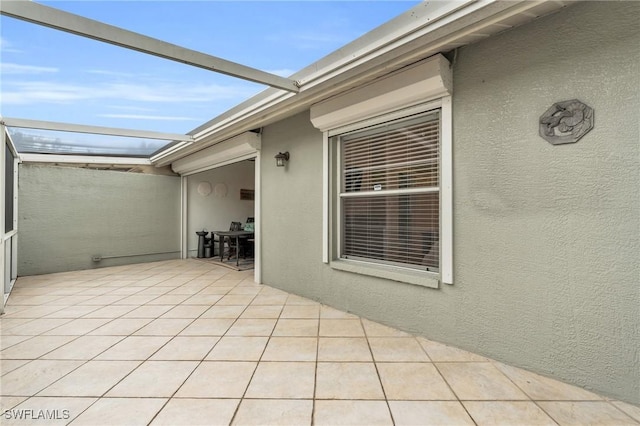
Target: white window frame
(332, 220)
(424, 86)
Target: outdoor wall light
(282, 158)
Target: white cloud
(33, 92)
(6, 46)
(10, 68)
(149, 117)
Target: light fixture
(282, 158)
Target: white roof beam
(54, 18)
(97, 130)
(83, 159)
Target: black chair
(231, 241)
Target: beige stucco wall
(67, 215)
(546, 238)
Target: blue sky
(51, 75)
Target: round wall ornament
(220, 190)
(566, 122)
(204, 188)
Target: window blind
(390, 193)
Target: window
(389, 193)
(387, 175)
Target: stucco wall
(67, 215)
(215, 211)
(546, 238)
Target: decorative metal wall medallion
(566, 122)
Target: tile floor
(186, 343)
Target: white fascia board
(83, 159)
(237, 148)
(50, 17)
(97, 130)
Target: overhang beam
(96, 130)
(54, 18)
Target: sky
(50, 75)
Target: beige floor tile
(35, 376)
(374, 329)
(218, 290)
(261, 312)
(346, 380)
(164, 327)
(168, 299)
(12, 311)
(190, 348)
(291, 349)
(544, 388)
(62, 410)
(397, 349)
(269, 299)
(252, 327)
(205, 300)
(8, 341)
(586, 413)
(507, 413)
(120, 411)
(213, 379)
(341, 328)
(35, 327)
(154, 379)
(103, 300)
(186, 311)
(91, 379)
(112, 311)
(136, 299)
(151, 311)
(134, 348)
(8, 402)
(413, 381)
(235, 299)
(75, 312)
(248, 290)
(84, 347)
(196, 412)
(7, 323)
(77, 327)
(35, 347)
(208, 327)
(300, 312)
(299, 300)
(344, 349)
(296, 327)
(232, 312)
(283, 380)
(274, 412)
(631, 410)
(327, 312)
(231, 348)
(352, 413)
(439, 352)
(441, 413)
(479, 381)
(8, 365)
(121, 327)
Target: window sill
(420, 278)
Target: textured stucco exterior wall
(546, 238)
(67, 215)
(215, 212)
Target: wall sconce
(282, 158)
